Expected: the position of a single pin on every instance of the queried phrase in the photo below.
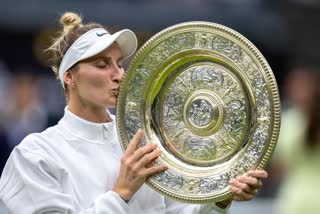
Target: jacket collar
(86, 130)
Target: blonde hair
(73, 28)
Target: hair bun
(70, 20)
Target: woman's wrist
(125, 200)
(123, 194)
(224, 204)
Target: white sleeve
(31, 184)
(174, 207)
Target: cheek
(95, 81)
(98, 83)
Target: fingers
(148, 158)
(241, 194)
(246, 187)
(251, 181)
(142, 156)
(134, 142)
(141, 152)
(138, 159)
(136, 166)
(242, 185)
(259, 174)
(155, 170)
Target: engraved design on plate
(139, 81)
(199, 148)
(170, 180)
(227, 48)
(203, 40)
(248, 66)
(236, 119)
(132, 123)
(167, 48)
(206, 75)
(260, 89)
(216, 87)
(192, 185)
(215, 183)
(200, 112)
(208, 185)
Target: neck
(90, 113)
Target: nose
(118, 74)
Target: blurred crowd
(29, 103)
(297, 157)
(31, 100)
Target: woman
(77, 166)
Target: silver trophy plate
(209, 99)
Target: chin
(112, 104)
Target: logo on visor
(101, 34)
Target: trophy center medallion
(203, 113)
(200, 113)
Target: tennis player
(77, 166)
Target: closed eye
(101, 64)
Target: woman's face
(97, 80)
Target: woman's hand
(136, 166)
(245, 187)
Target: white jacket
(72, 168)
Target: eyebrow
(108, 59)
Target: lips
(115, 91)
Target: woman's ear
(68, 79)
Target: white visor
(95, 41)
